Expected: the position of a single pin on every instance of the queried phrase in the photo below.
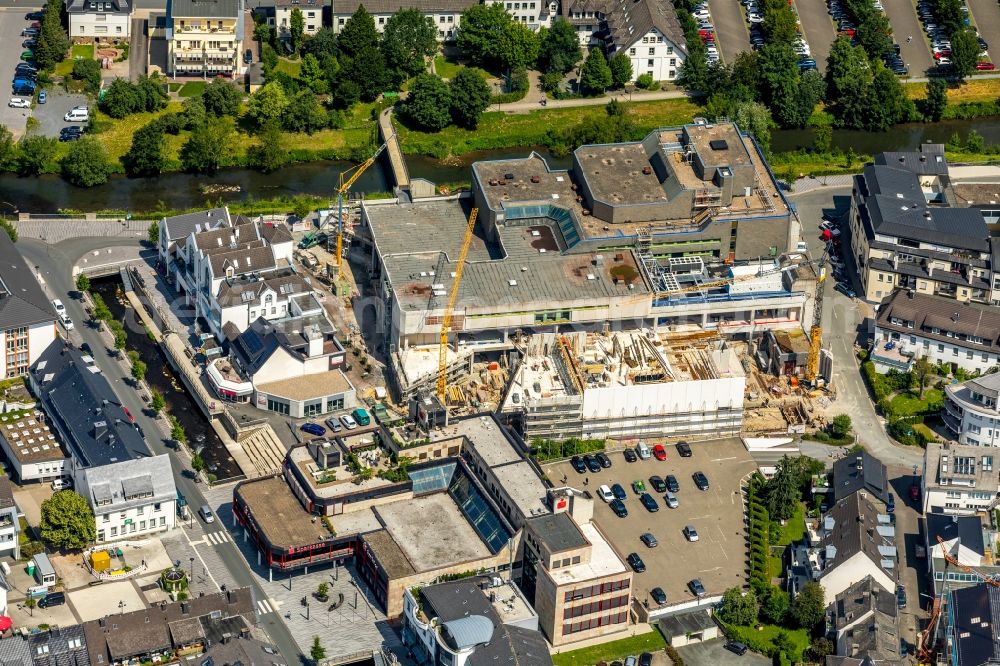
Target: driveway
(903, 18)
(11, 24)
(711, 653)
(730, 28)
(50, 115)
(138, 50)
(912, 572)
(818, 28)
(987, 18)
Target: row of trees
(53, 42)
(434, 104)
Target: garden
(910, 401)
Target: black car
(636, 562)
(52, 599)
(890, 506)
(700, 480)
(29, 44)
(659, 596)
(618, 507)
(34, 16)
(645, 659)
(578, 464)
(901, 596)
(630, 456)
(648, 502)
(604, 460)
(697, 589)
(684, 449)
(658, 484)
(591, 463)
(672, 484)
(248, 56)
(736, 647)
(618, 491)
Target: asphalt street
(53, 265)
(11, 24)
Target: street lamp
(192, 568)
(121, 607)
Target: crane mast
(442, 380)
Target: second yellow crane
(442, 380)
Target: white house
(958, 478)
(312, 15)
(10, 527)
(963, 538)
(970, 410)
(130, 499)
(31, 447)
(101, 20)
(446, 15)
(27, 319)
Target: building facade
(130, 500)
(204, 37)
(27, 319)
(10, 526)
(958, 478)
(104, 21)
(970, 410)
(281, 17)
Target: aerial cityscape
(616, 333)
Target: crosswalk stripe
(264, 607)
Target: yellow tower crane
(442, 382)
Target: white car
(60, 308)
(605, 494)
(19, 103)
(67, 322)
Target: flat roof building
(27, 318)
(959, 478)
(33, 449)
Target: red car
(128, 414)
(915, 492)
(659, 452)
(985, 66)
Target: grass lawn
(925, 431)
(117, 139)
(502, 130)
(633, 645)
(192, 89)
(174, 86)
(774, 561)
(794, 528)
(759, 639)
(446, 67)
(290, 67)
(908, 404)
(974, 90)
(81, 51)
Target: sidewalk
(525, 105)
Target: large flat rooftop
(603, 560)
(615, 173)
(335, 481)
(29, 438)
(432, 532)
(281, 518)
(524, 180)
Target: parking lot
(903, 18)
(818, 29)
(987, 16)
(730, 27)
(11, 24)
(718, 558)
(50, 115)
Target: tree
(621, 69)
(936, 100)
(755, 118)
(595, 75)
(780, 79)
(153, 233)
(296, 26)
(177, 431)
(67, 521)
(138, 370)
(9, 228)
(470, 96)
(844, 64)
(949, 15)
(157, 401)
(783, 491)
(369, 72)
(819, 649)
(780, 24)
(322, 44)
(429, 103)
(88, 71)
(312, 74)
(964, 53)
(305, 114)
(358, 33)
(208, 147)
(559, 50)
(120, 99)
(197, 462)
(775, 608)
(53, 42)
(151, 93)
(739, 608)
(317, 652)
(268, 104)
(516, 47)
(874, 34)
(480, 30)
(221, 98)
(36, 154)
(86, 164)
(888, 103)
(82, 282)
(345, 94)
(974, 142)
(921, 371)
(808, 606)
(840, 427)
(409, 37)
(269, 155)
(145, 157)
(8, 149)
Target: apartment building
(27, 319)
(10, 527)
(204, 37)
(575, 580)
(31, 447)
(910, 230)
(910, 325)
(445, 15)
(970, 410)
(864, 620)
(958, 478)
(131, 499)
(100, 20)
(280, 16)
(965, 539)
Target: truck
(309, 240)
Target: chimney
(315, 338)
(185, 608)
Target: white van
(78, 114)
(605, 494)
(62, 483)
(642, 450)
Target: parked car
(618, 507)
(333, 424)
(697, 589)
(591, 463)
(901, 596)
(690, 533)
(603, 459)
(736, 647)
(638, 487)
(248, 56)
(60, 308)
(361, 416)
(845, 290)
(630, 455)
(34, 16)
(206, 514)
(700, 480)
(642, 450)
(985, 66)
(684, 450)
(62, 483)
(659, 452)
(19, 103)
(658, 595)
(313, 428)
(658, 484)
(648, 502)
(618, 491)
(915, 492)
(671, 501)
(637, 565)
(671, 483)
(348, 421)
(52, 599)
(43, 97)
(604, 492)
(578, 465)
(66, 322)
(890, 506)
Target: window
(142, 524)
(381, 20)
(649, 63)
(670, 50)
(673, 62)
(631, 51)
(441, 19)
(107, 518)
(340, 21)
(114, 531)
(121, 516)
(163, 521)
(157, 507)
(652, 50)
(451, 19)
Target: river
(161, 376)
(48, 194)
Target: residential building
(965, 539)
(204, 37)
(27, 318)
(910, 325)
(10, 527)
(131, 499)
(860, 472)
(446, 15)
(100, 20)
(574, 579)
(32, 448)
(864, 619)
(909, 231)
(109, 461)
(972, 626)
(857, 540)
(970, 410)
(177, 229)
(280, 15)
(58, 645)
(475, 621)
(958, 478)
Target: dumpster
(100, 560)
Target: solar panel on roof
(252, 342)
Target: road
(842, 321)
(903, 19)
(53, 265)
(730, 28)
(818, 28)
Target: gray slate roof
(132, 483)
(22, 301)
(182, 226)
(60, 646)
(929, 312)
(682, 624)
(83, 6)
(14, 651)
(392, 6)
(204, 8)
(967, 529)
(977, 622)
(860, 472)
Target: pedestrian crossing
(265, 606)
(218, 538)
